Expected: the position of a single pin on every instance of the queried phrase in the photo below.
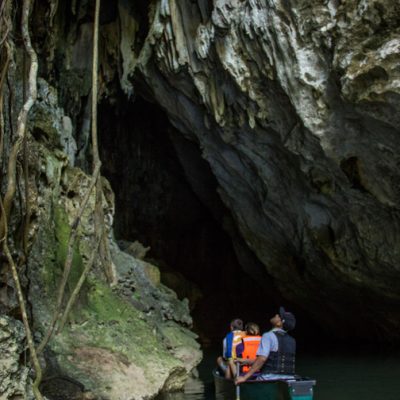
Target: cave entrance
(156, 206)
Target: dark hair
(252, 329)
(288, 319)
(237, 324)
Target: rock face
(118, 336)
(14, 380)
(130, 340)
(296, 109)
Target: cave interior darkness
(156, 205)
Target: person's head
(236, 324)
(252, 329)
(284, 320)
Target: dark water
(339, 377)
(348, 377)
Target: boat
(298, 388)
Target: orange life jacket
(250, 344)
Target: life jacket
(283, 360)
(250, 344)
(232, 340)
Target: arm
(224, 347)
(258, 363)
(228, 345)
(245, 361)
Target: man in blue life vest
(232, 348)
(276, 353)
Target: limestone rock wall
(295, 108)
(117, 334)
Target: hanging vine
(22, 118)
(21, 300)
(100, 248)
(2, 81)
(68, 261)
(101, 241)
(6, 203)
(99, 214)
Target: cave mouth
(166, 199)
(156, 206)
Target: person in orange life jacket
(248, 348)
(250, 345)
(229, 344)
(276, 353)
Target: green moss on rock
(112, 328)
(108, 344)
(62, 234)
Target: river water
(339, 377)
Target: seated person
(230, 343)
(250, 343)
(277, 350)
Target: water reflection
(195, 389)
